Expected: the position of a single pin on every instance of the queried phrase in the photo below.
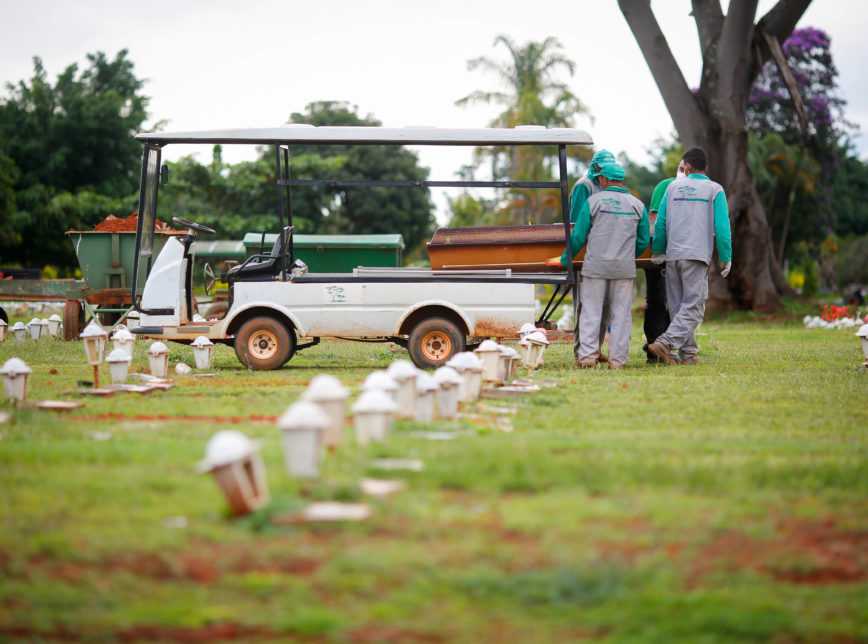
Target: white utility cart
(274, 301)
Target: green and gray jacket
(693, 212)
(614, 224)
(584, 188)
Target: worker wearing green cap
(589, 183)
(614, 225)
(586, 186)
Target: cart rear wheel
(433, 341)
(264, 344)
(73, 319)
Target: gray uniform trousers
(595, 292)
(577, 313)
(686, 293)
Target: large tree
(68, 153)
(734, 49)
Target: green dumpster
(107, 258)
(337, 253)
(219, 250)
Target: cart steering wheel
(210, 280)
(194, 226)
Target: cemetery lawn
(726, 502)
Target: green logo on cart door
(337, 294)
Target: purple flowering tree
(771, 110)
(735, 47)
(770, 107)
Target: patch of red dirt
(626, 551)
(210, 633)
(235, 420)
(377, 634)
(151, 633)
(204, 566)
(802, 552)
(837, 556)
(112, 224)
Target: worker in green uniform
(587, 185)
(692, 215)
(614, 225)
(656, 317)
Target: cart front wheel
(433, 341)
(73, 319)
(264, 344)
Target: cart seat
(261, 267)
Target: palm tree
(533, 94)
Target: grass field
(726, 502)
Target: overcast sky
(226, 63)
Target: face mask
(680, 174)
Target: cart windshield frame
(282, 138)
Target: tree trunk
(733, 51)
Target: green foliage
(67, 153)
(535, 96)
(849, 187)
(468, 210)
(852, 263)
(362, 210)
(236, 199)
(786, 176)
(641, 179)
(806, 265)
(811, 284)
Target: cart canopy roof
(311, 135)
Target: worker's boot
(661, 352)
(650, 358)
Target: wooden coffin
(524, 249)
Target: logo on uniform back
(687, 193)
(608, 203)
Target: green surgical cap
(612, 171)
(601, 158)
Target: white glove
(726, 267)
(658, 259)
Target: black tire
(433, 341)
(264, 344)
(3, 315)
(73, 319)
(216, 310)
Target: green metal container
(337, 253)
(107, 258)
(219, 249)
(221, 254)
